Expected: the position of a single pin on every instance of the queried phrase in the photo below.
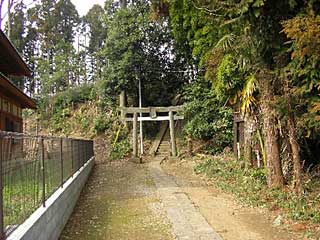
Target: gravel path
(120, 202)
(127, 201)
(230, 219)
(123, 200)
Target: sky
(83, 6)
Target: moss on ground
(117, 204)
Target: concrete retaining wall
(48, 222)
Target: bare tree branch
(1, 17)
(207, 10)
(10, 5)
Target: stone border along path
(187, 221)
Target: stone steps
(164, 148)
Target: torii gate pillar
(153, 117)
(135, 135)
(172, 135)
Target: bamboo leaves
(248, 98)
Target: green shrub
(102, 123)
(73, 96)
(120, 149)
(207, 117)
(58, 121)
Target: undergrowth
(78, 112)
(121, 149)
(250, 187)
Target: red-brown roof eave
(10, 88)
(11, 62)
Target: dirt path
(231, 220)
(119, 202)
(127, 201)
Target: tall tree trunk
(274, 168)
(297, 173)
(1, 6)
(122, 102)
(261, 143)
(123, 3)
(10, 4)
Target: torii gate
(152, 117)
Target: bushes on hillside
(208, 118)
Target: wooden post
(135, 135)
(122, 102)
(172, 135)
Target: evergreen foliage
(207, 119)
(138, 48)
(244, 49)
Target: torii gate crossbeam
(153, 117)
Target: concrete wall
(48, 222)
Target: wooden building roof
(10, 90)
(11, 62)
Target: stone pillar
(135, 135)
(172, 135)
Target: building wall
(10, 114)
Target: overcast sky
(83, 6)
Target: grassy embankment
(250, 187)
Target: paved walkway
(186, 220)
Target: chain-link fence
(32, 168)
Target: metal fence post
(92, 149)
(75, 155)
(72, 161)
(81, 146)
(2, 234)
(87, 152)
(84, 159)
(61, 160)
(78, 155)
(84, 146)
(43, 172)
